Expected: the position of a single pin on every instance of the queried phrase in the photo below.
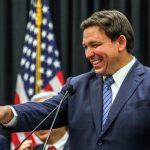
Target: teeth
(96, 62)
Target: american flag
(49, 68)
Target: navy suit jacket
(4, 143)
(128, 123)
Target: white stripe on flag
(56, 84)
(20, 90)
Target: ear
(122, 41)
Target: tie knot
(109, 80)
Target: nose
(89, 53)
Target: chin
(99, 72)
(42, 138)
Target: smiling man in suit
(110, 109)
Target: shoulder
(140, 69)
(83, 77)
(84, 81)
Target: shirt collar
(61, 142)
(120, 75)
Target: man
(111, 106)
(58, 137)
(4, 143)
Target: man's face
(42, 134)
(101, 51)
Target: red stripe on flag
(48, 87)
(60, 76)
(15, 139)
(17, 99)
(31, 138)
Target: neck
(126, 60)
(121, 62)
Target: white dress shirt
(119, 77)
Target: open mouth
(96, 63)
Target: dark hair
(114, 24)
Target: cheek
(112, 52)
(101, 50)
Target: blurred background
(66, 16)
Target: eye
(85, 47)
(95, 45)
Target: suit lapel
(131, 82)
(96, 102)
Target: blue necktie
(107, 97)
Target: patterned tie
(52, 148)
(107, 97)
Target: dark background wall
(67, 16)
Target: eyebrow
(93, 42)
